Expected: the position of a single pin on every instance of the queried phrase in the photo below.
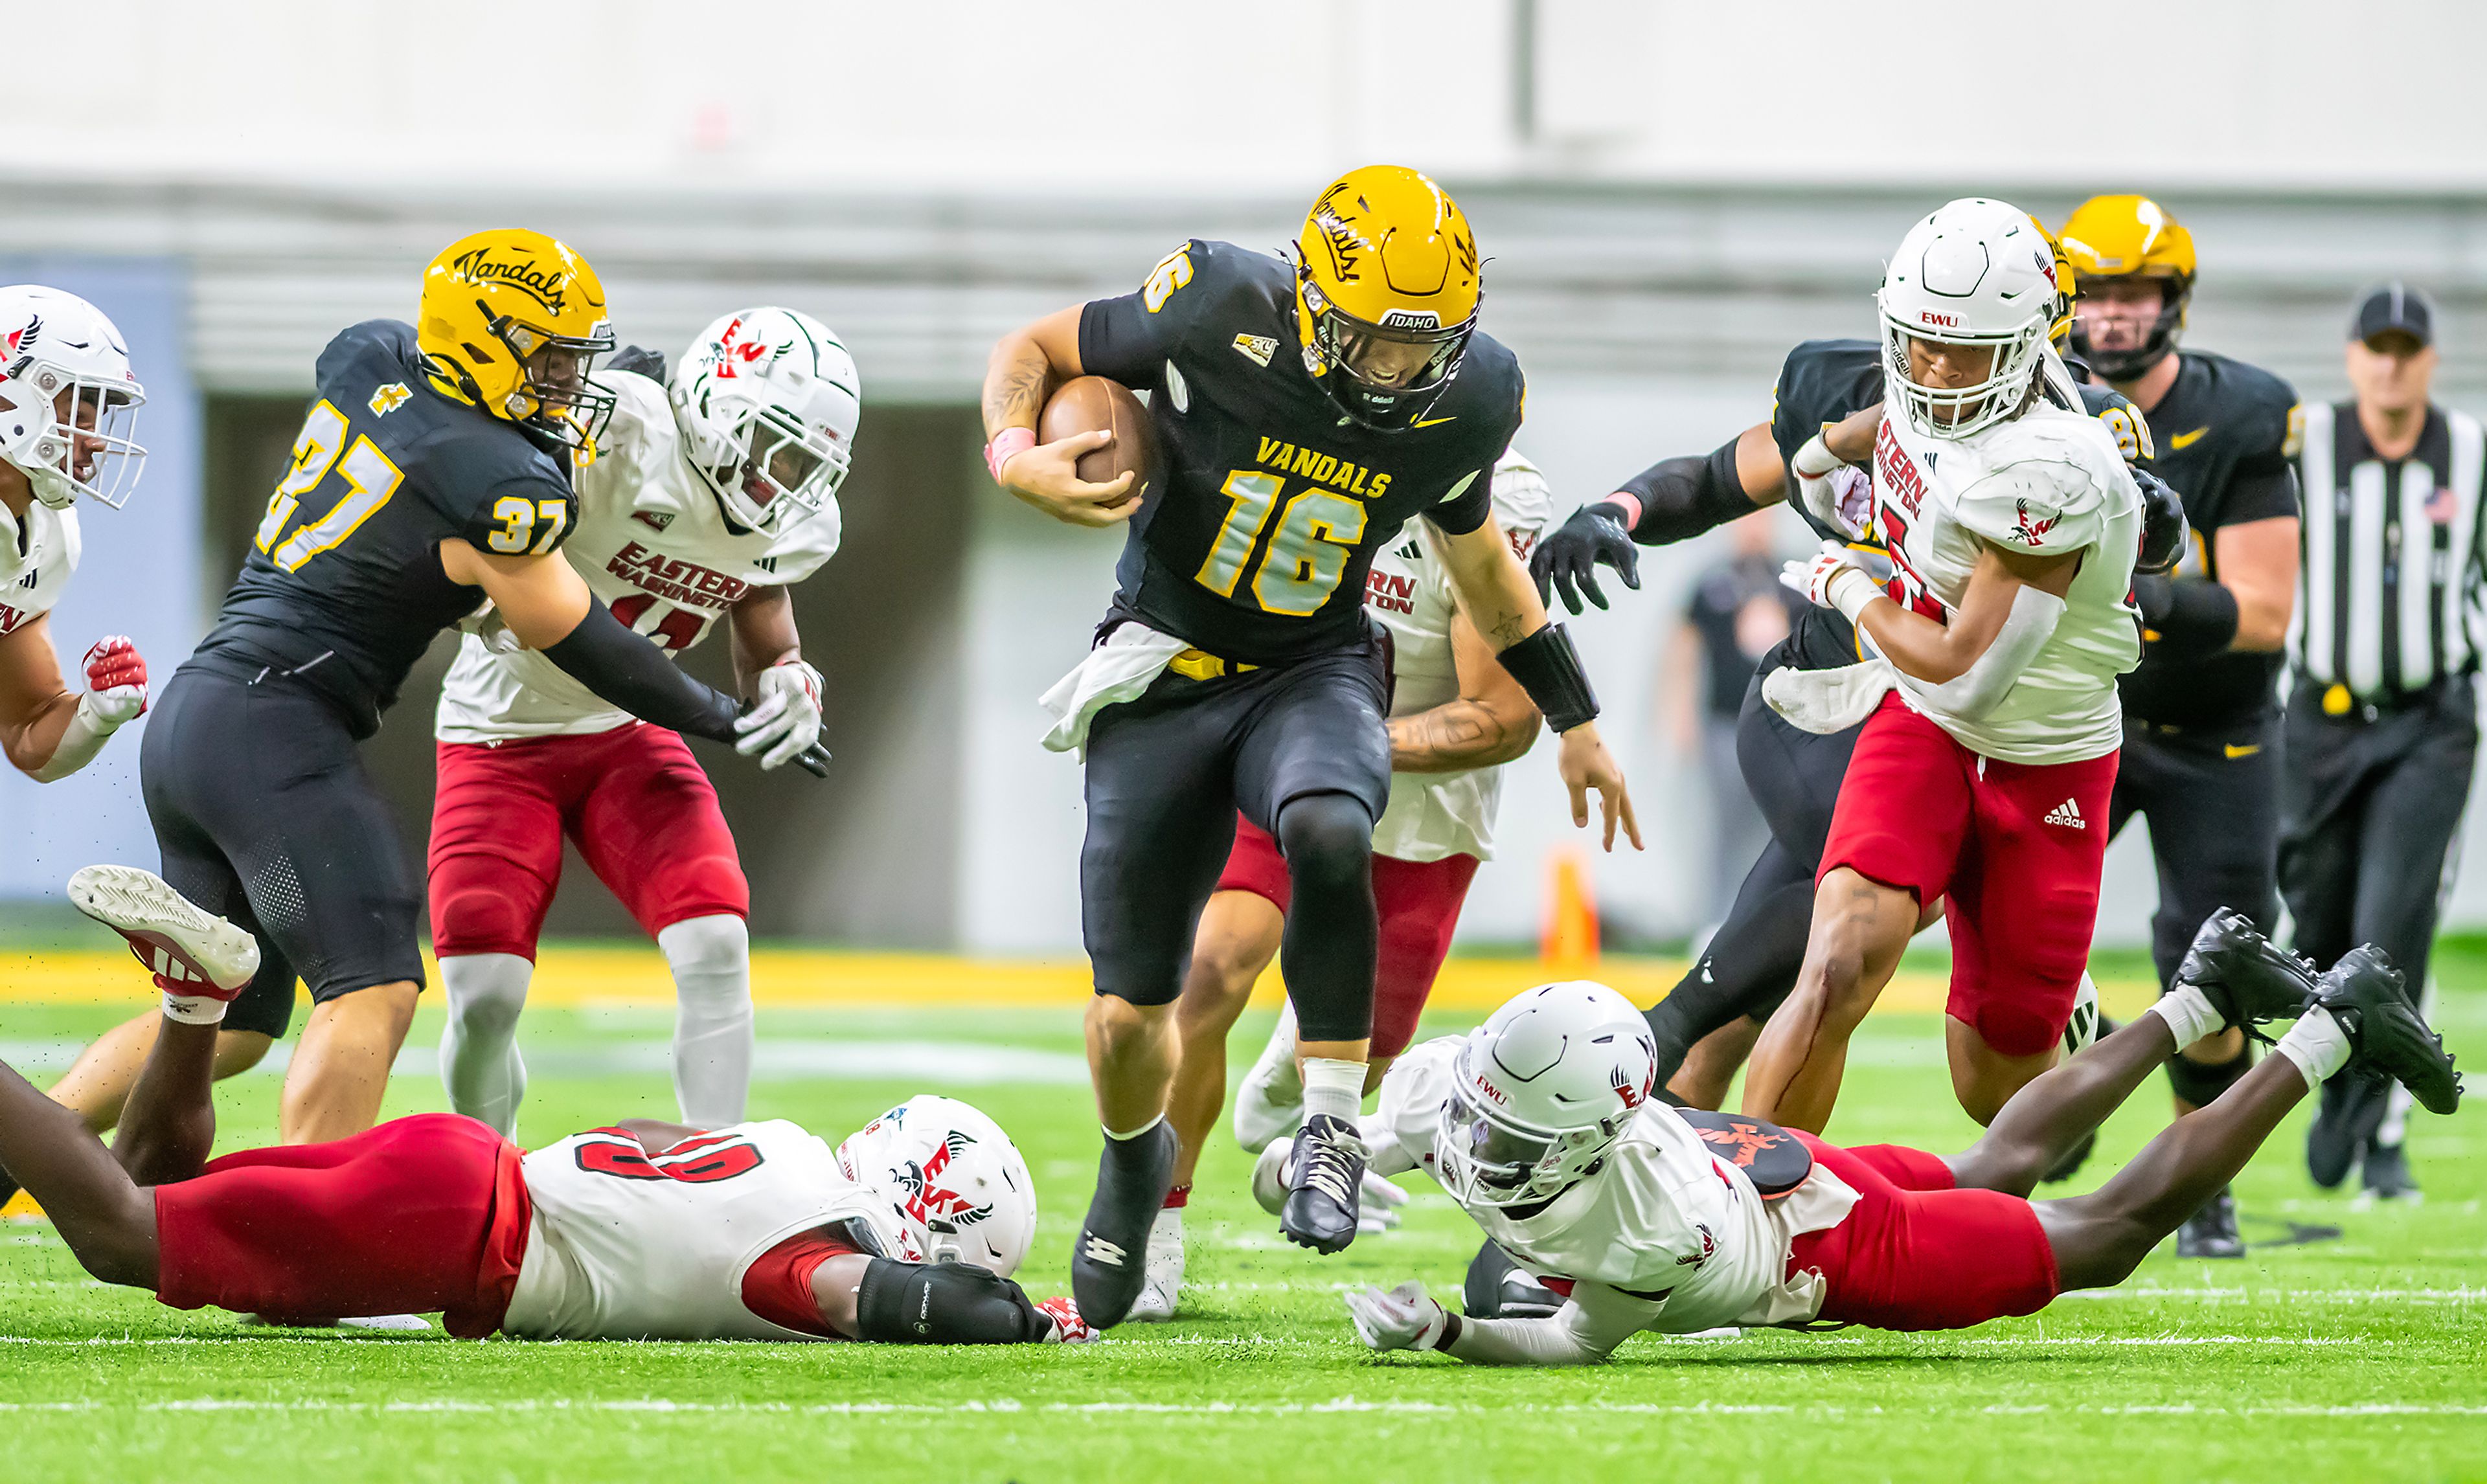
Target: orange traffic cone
(1568, 940)
(20, 1208)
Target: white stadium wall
(1665, 208)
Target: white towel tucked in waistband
(1116, 671)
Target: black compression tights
(1750, 964)
(1328, 952)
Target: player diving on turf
(907, 1232)
(1646, 1217)
(1308, 410)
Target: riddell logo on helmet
(1943, 322)
(546, 288)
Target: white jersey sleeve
(655, 547)
(38, 554)
(625, 1246)
(1432, 816)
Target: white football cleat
(1162, 1287)
(1271, 1103)
(179, 942)
(2084, 1027)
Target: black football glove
(1571, 553)
(647, 362)
(2163, 524)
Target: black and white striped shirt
(2389, 596)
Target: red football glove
(118, 677)
(1069, 1329)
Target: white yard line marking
(660, 1406)
(774, 1059)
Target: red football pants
(1419, 905)
(1915, 1254)
(644, 815)
(419, 1215)
(2016, 847)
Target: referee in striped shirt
(2381, 723)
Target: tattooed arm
(1026, 366)
(1492, 720)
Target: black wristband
(945, 1303)
(627, 669)
(2189, 614)
(1681, 498)
(1548, 668)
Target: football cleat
(2386, 1175)
(2211, 1231)
(1162, 1287)
(1108, 1263)
(190, 952)
(2246, 978)
(2367, 995)
(1323, 1189)
(1270, 1101)
(2082, 1029)
(2352, 1109)
(1497, 1289)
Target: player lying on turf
(643, 1231)
(1647, 1216)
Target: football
(1086, 403)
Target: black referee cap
(2395, 306)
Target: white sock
(711, 958)
(2188, 1014)
(1335, 1087)
(1125, 1136)
(479, 1047)
(2317, 1044)
(194, 1009)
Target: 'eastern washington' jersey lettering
(653, 542)
(343, 585)
(2226, 433)
(38, 554)
(628, 1246)
(1437, 815)
(1274, 503)
(1825, 380)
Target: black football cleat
(1497, 1289)
(2386, 1035)
(2387, 1173)
(2345, 1120)
(2211, 1231)
(1109, 1263)
(1325, 1185)
(2243, 974)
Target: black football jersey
(1273, 502)
(1825, 380)
(2227, 435)
(342, 584)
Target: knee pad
(2200, 1084)
(719, 943)
(1326, 838)
(478, 920)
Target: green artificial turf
(2362, 1357)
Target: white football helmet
(1542, 1091)
(1976, 272)
(768, 401)
(961, 1187)
(68, 401)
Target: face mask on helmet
(1387, 376)
(1966, 306)
(68, 402)
(777, 470)
(766, 400)
(555, 394)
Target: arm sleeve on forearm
(1681, 498)
(945, 1303)
(624, 669)
(80, 741)
(2189, 614)
(1583, 1331)
(2027, 628)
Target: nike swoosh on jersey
(1434, 422)
(2188, 440)
(2236, 751)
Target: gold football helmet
(513, 321)
(1388, 286)
(2060, 323)
(2132, 236)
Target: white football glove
(1839, 494)
(115, 680)
(1379, 1210)
(1069, 1329)
(1831, 579)
(1403, 1319)
(786, 715)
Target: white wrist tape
(1982, 687)
(1850, 590)
(83, 738)
(1815, 459)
